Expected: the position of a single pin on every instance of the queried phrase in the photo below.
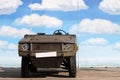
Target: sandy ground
(82, 74)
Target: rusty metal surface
(40, 46)
(49, 39)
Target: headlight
(67, 47)
(24, 47)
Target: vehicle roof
(49, 39)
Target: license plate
(46, 54)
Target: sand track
(82, 74)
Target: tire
(66, 63)
(33, 68)
(72, 66)
(25, 69)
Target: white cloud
(98, 56)
(13, 32)
(117, 45)
(9, 6)
(59, 5)
(5, 45)
(35, 20)
(110, 6)
(8, 51)
(95, 41)
(96, 26)
(75, 29)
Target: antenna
(78, 3)
(31, 9)
(78, 58)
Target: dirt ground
(82, 74)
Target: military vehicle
(53, 51)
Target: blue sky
(95, 22)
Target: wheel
(25, 68)
(33, 68)
(65, 63)
(72, 66)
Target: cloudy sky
(95, 22)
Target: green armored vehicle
(44, 52)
